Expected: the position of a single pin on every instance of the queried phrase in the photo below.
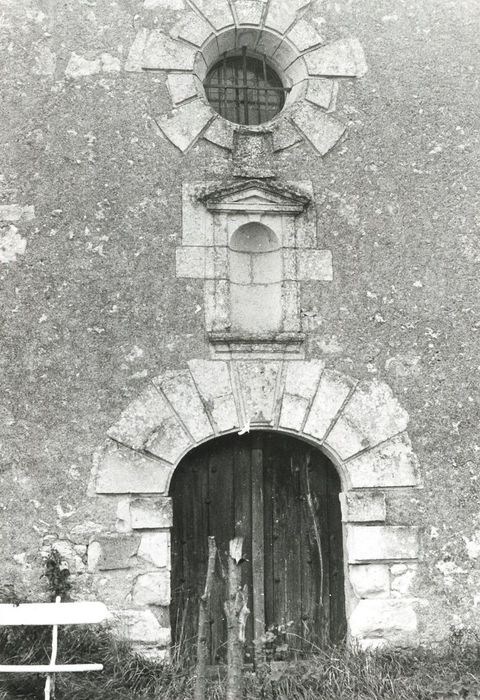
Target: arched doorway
(282, 495)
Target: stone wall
(90, 220)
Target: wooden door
(281, 496)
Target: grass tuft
(337, 673)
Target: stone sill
(257, 345)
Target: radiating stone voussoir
(122, 470)
(341, 58)
(185, 123)
(282, 14)
(301, 382)
(212, 378)
(141, 417)
(391, 464)
(249, 11)
(322, 130)
(371, 416)
(161, 52)
(217, 12)
(333, 390)
(181, 392)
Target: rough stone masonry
(106, 350)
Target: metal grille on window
(245, 89)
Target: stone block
(79, 67)
(152, 588)
(217, 12)
(196, 226)
(371, 416)
(306, 229)
(321, 91)
(11, 245)
(151, 513)
(321, 130)
(161, 52)
(315, 265)
(282, 14)
(107, 553)
(181, 392)
(16, 212)
(123, 524)
(181, 86)
(285, 55)
(363, 507)
(73, 555)
(193, 28)
(212, 378)
(141, 626)
(257, 383)
(220, 132)
(185, 123)
(391, 620)
(302, 377)
(217, 305)
(155, 548)
(121, 470)
(169, 441)
(134, 62)
(370, 580)
(190, 262)
(333, 390)
(110, 64)
(201, 262)
(342, 58)
(256, 309)
(391, 464)
(291, 306)
(285, 135)
(381, 543)
(402, 578)
(289, 264)
(249, 11)
(301, 383)
(141, 417)
(293, 411)
(45, 62)
(304, 35)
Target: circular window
(244, 89)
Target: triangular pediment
(256, 196)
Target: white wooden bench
(54, 614)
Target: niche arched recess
(359, 425)
(285, 32)
(256, 275)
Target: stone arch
(360, 426)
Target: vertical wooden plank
(258, 541)
(243, 523)
(222, 527)
(268, 527)
(280, 538)
(338, 622)
(290, 466)
(317, 486)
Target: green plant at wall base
(57, 575)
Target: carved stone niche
(253, 242)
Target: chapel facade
(233, 309)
